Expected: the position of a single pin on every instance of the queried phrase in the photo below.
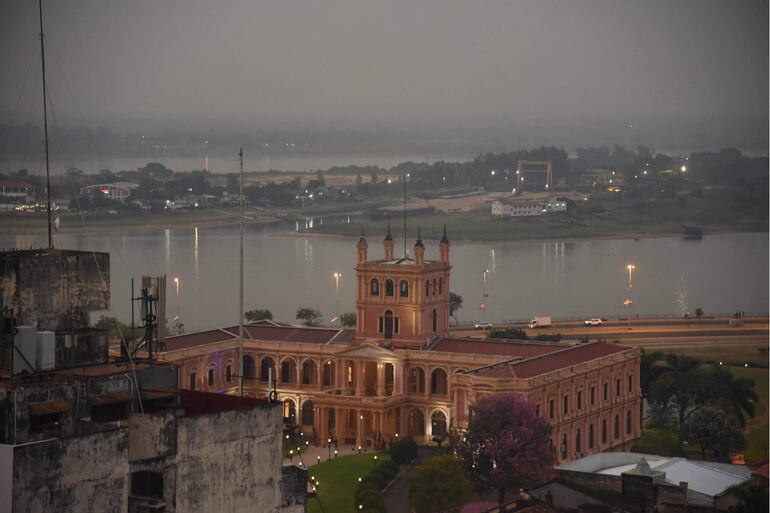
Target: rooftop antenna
(240, 283)
(403, 179)
(45, 128)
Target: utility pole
(240, 285)
(45, 128)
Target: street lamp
(329, 447)
(337, 277)
(176, 282)
(485, 296)
(631, 268)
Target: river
(720, 273)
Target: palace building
(400, 372)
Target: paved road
(397, 496)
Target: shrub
(375, 479)
(365, 488)
(391, 465)
(374, 502)
(403, 451)
(362, 497)
(385, 472)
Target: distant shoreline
(229, 221)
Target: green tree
(684, 385)
(258, 314)
(348, 319)
(713, 429)
(736, 395)
(439, 486)
(509, 333)
(309, 316)
(455, 303)
(699, 312)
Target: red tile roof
(545, 363)
(260, 331)
(494, 347)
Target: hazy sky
(393, 63)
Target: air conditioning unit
(45, 353)
(25, 349)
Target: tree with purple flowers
(507, 445)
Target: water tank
(45, 355)
(25, 349)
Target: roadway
(642, 328)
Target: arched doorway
(438, 423)
(289, 412)
(308, 413)
(416, 423)
(388, 324)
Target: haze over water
(721, 273)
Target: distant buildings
(643, 483)
(400, 373)
(512, 207)
(18, 189)
(119, 191)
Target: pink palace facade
(400, 372)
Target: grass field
(339, 479)
(735, 355)
(757, 435)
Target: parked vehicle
(540, 321)
(594, 322)
(483, 325)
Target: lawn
(338, 480)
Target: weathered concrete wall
(55, 289)
(83, 474)
(293, 489)
(151, 436)
(231, 461)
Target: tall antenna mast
(240, 297)
(403, 179)
(45, 128)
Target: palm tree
(737, 394)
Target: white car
(483, 325)
(593, 322)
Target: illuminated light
(359, 479)
(684, 169)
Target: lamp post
(329, 447)
(485, 297)
(337, 277)
(176, 282)
(629, 302)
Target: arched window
(590, 436)
(403, 288)
(438, 382)
(249, 371)
(267, 369)
(440, 285)
(375, 290)
(210, 377)
(388, 287)
(604, 431)
(578, 445)
(628, 423)
(427, 288)
(617, 426)
(564, 446)
(416, 422)
(435, 320)
(434, 286)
